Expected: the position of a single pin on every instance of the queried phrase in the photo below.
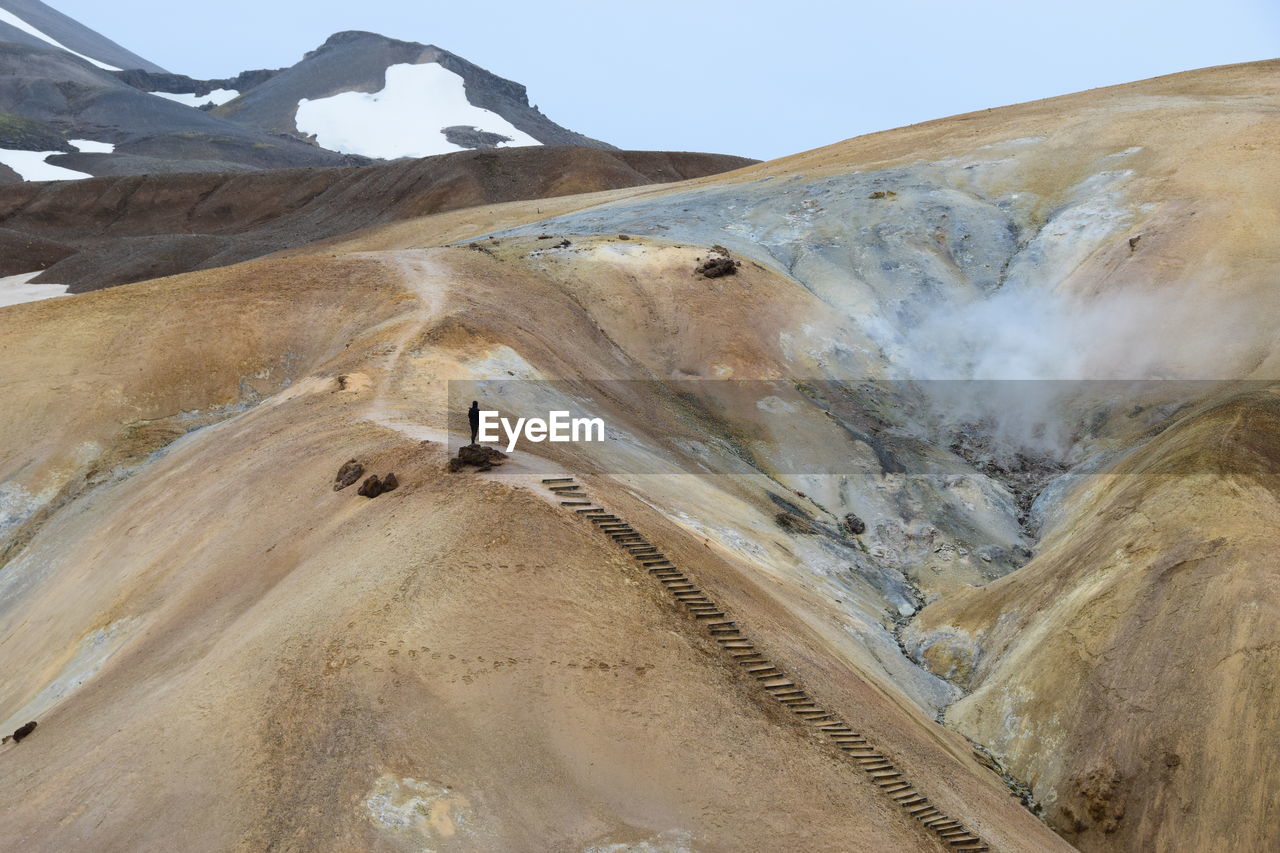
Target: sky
(759, 79)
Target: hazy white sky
(761, 79)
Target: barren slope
(137, 227)
(206, 630)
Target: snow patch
(13, 20)
(89, 146)
(16, 289)
(217, 97)
(30, 165)
(405, 119)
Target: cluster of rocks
(352, 470)
(478, 456)
(372, 486)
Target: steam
(1031, 367)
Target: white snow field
(16, 289)
(13, 20)
(88, 146)
(32, 167)
(405, 119)
(217, 96)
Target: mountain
(937, 507)
(61, 117)
(362, 93)
(75, 104)
(32, 23)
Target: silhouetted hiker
(473, 418)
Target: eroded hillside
(1070, 575)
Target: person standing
(473, 418)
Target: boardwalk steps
(725, 631)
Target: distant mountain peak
(365, 93)
(34, 23)
(358, 96)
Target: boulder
(717, 267)
(371, 487)
(24, 731)
(481, 457)
(855, 525)
(350, 471)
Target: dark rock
(563, 244)
(24, 731)
(350, 471)
(473, 137)
(1133, 242)
(371, 487)
(477, 455)
(879, 194)
(390, 483)
(717, 267)
(623, 237)
(855, 525)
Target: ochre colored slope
(1129, 671)
(269, 662)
